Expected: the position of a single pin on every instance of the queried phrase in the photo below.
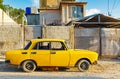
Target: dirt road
(106, 69)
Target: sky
(92, 7)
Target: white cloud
(35, 3)
(92, 11)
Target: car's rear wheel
(83, 65)
(28, 66)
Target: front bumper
(7, 61)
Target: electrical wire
(108, 6)
(114, 4)
(117, 3)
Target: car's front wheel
(83, 65)
(28, 66)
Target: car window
(28, 45)
(57, 46)
(42, 46)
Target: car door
(58, 54)
(41, 54)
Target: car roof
(55, 40)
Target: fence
(105, 41)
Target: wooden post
(72, 36)
(100, 40)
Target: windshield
(28, 45)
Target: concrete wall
(10, 38)
(59, 32)
(32, 32)
(105, 41)
(87, 38)
(110, 41)
(6, 20)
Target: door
(41, 54)
(58, 54)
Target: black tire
(83, 65)
(28, 66)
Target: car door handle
(52, 52)
(33, 53)
(24, 52)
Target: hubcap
(29, 66)
(84, 66)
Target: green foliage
(14, 13)
(1, 4)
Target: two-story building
(60, 12)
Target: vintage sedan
(50, 53)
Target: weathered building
(51, 3)
(65, 11)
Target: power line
(114, 4)
(108, 6)
(117, 3)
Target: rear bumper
(94, 63)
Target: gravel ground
(105, 69)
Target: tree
(1, 4)
(14, 13)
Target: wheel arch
(28, 60)
(82, 59)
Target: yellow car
(50, 53)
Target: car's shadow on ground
(10, 68)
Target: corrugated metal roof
(96, 20)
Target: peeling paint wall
(87, 38)
(105, 41)
(110, 41)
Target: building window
(76, 12)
